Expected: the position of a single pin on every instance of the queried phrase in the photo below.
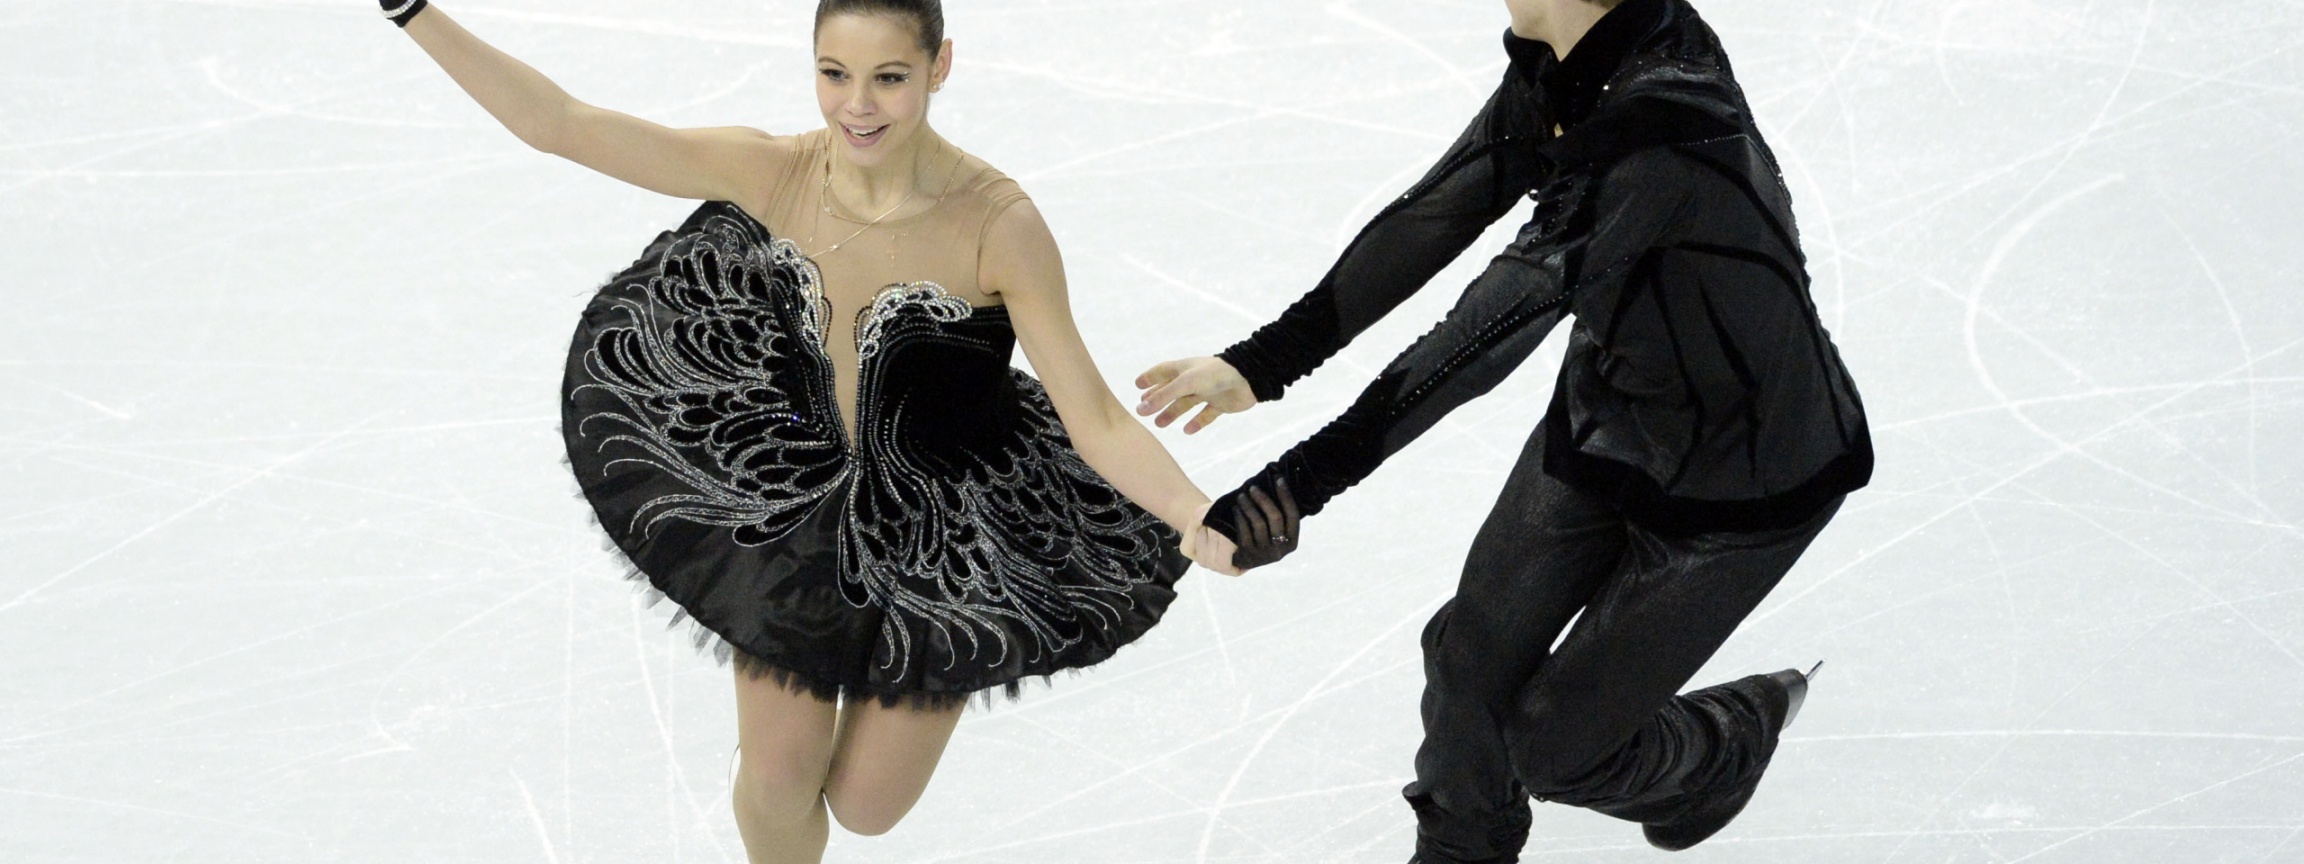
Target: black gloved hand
(1267, 528)
(403, 11)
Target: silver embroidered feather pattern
(720, 383)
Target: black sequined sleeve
(1482, 175)
(1570, 256)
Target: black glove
(1268, 529)
(403, 11)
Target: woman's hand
(1269, 527)
(1207, 546)
(1176, 387)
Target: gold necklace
(824, 200)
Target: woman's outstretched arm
(715, 164)
(1022, 265)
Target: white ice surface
(290, 570)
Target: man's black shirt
(1700, 390)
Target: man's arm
(1491, 165)
(1579, 252)
(1499, 321)
(1475, 183)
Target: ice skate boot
(1697, 825)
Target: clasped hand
(1268, 526)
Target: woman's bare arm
(718, 164)
(1022, 265)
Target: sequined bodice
(931, 372)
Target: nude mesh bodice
(937, 238)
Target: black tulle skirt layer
(956, 546)
(786, 622)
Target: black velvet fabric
(407, 13)
(1700, 392)
(957, 543)
(1593, 722)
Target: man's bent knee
(1550, 779)
(1550, 767)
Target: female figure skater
(795, 416)
(1702, 430)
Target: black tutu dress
(959, 544)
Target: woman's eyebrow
(895, 63)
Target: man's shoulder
(1698, 86)
(1636, 123)
(1734, 159)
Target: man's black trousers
(1594, 722)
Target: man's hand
(1176, 387)
(1269, 529)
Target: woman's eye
(892, 79)
(834, 74)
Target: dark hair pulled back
(927, 16)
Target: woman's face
(872, 82)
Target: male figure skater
(1700, 434)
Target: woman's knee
(860, 811)
(783, 779)
(886, 757)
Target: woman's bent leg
(883, 761)
(787, 740)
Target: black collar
(1531, 60)
(1572, 87)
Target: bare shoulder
(744, 143)
(969, 181)
(763, 162)
(1015, 248)
(1019, 254)
(1013, 220)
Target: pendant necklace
(824, 200)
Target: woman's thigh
(788, 740)
(883, 761)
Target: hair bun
(927, 16)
